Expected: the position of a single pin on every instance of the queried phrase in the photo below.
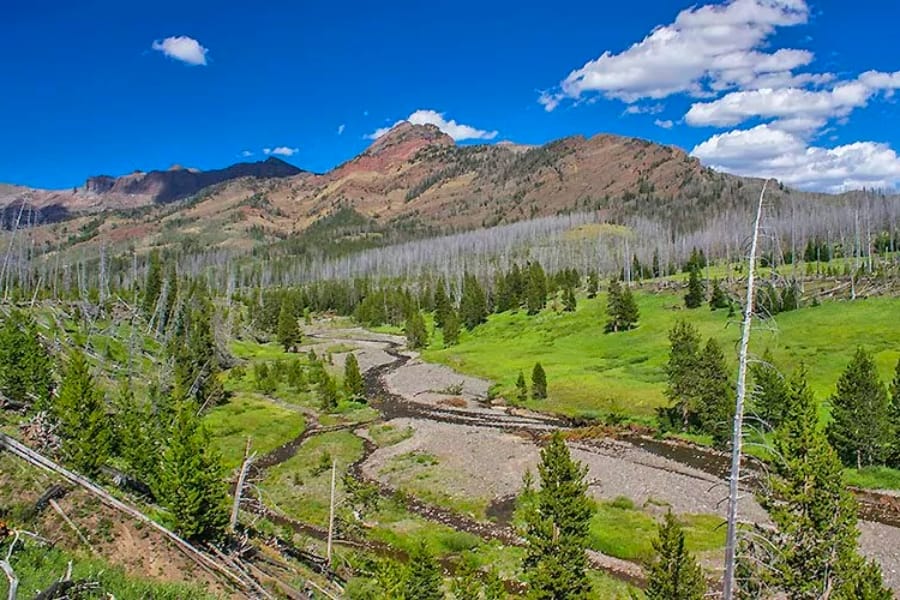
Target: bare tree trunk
(737, 433)
(239, 489)
(331, 513)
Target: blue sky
(803, 91)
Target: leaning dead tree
(737, 433)
(233, 572)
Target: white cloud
(281, 151)
(457, 131)
(665, 124)
(706, 49)
(183, 48)
(792, 103)
(340, 129)
(246, 153)
(765, 151)
(639, 109)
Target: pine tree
(423, 581)
(770, 391)
(814, 514)
(296, 379)
(327, 391)
(895, 417)
(84, 427)
(628, 311)
(416, 333)
(138, 433)
(718, 298)
(171, 296)
(866, 583)
(191, 484)
(556, 527)
(473, 303)
(450, 330)
(538, 382)
(569, 302)
(714, 393)
(613, 305)
(536, 292)
(694, 297)
(656, 270)
(621, 309)
(442, 303)
(153, 284)
(674, 574)
(521, 388)
(353, 380)
(593, 285)
(682, 371)
(860, 429)
(288, 330)
(26, 369)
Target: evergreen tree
(423, 581)
(327, 391)
(171, 296)
(353, 380)
(138, 433)
(714, 393)
(718, 299)
(296, 379)
(473, 304)
(895, 417)
(191, 484)
(521, 388)
(674, 574)
(442, 304)
(569, 302)
(536, 292)
(860, 429)
(694, 297)
(814, 514)
(682, 371)
(770, 392)
(866, 583)
(538, 382)
(288, 331)
(26, 369)
(621, 309)
(84, 427)
(593, 285)
(556, 527)
(657, 272)
(416, 333)
(450, 330)
(153, 284)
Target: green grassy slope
(591, 373)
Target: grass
(628, 533)
(384, 434)
(422, 475)
(881, 478)
(594, 374)
(250, 415)
(300, 486)
(39, 566)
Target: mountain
(414, 177)
(104, 192)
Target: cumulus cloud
(457, 131)
(765, 151)
(665, 124)
(281, 151)
(707, 49)
(790, 104)
(183, 48)
(246, 153)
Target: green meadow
(591, 373)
